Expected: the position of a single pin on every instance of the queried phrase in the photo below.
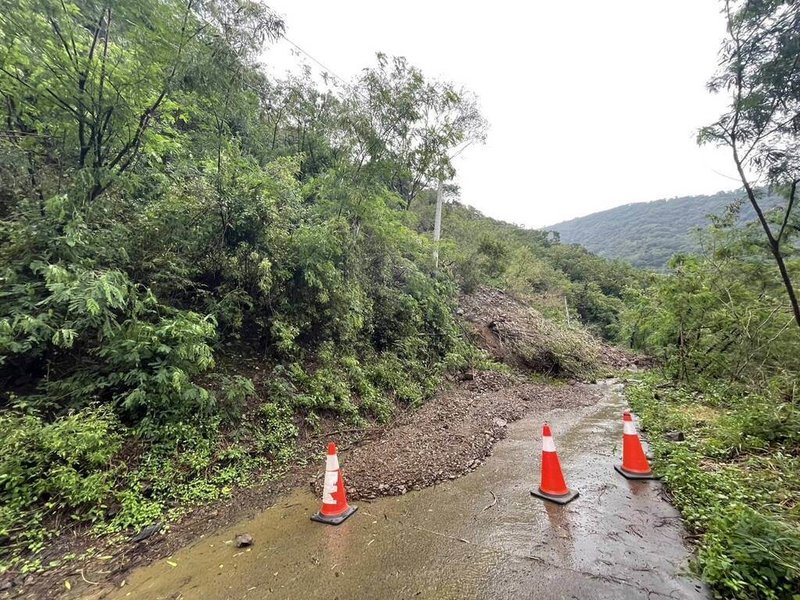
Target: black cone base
(568, 497)
(629, 475)
(338, 519)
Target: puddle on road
(480, 536)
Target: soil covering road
(480, 536)
(452, 434)
(448, 437)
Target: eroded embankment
(508, 328)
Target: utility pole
(437, 226)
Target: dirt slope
(512, 331)
(451, 434)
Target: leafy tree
(404, 127)
(761, 71)
(94, 81)
(720, 314)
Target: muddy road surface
(480, 536)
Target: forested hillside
(647, 234)
(477, 249)
(202, 265)
(173, 221)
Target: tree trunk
(774, 244)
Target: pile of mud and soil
(509, 329)
(446, 438)
(452, 434)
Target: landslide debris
(451, 434)
(513, 332)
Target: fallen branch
(444, 535)
(86, 580)
(494, 501)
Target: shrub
(735, 479)
(54, 467)
(746, 555)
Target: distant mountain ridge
(647, 234)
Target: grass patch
(735, 479)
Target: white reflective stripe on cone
(332, 462)
(548, 445)
(329, 487)
(628, 428)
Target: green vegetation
(172, 220)
(479, 250)
(735, 479)
(726, 325)
(199, 264)
(722, 314)
(722, 327)
(648, 234)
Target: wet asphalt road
(481, 536)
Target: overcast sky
(590, 104)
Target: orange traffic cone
(334, 498)
(634, 462)
(552, 486)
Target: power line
(309, 55)
(464, 147)
(727, 176)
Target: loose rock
(674, 436)
(243, 540)
(147, 532)
(421, 452)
